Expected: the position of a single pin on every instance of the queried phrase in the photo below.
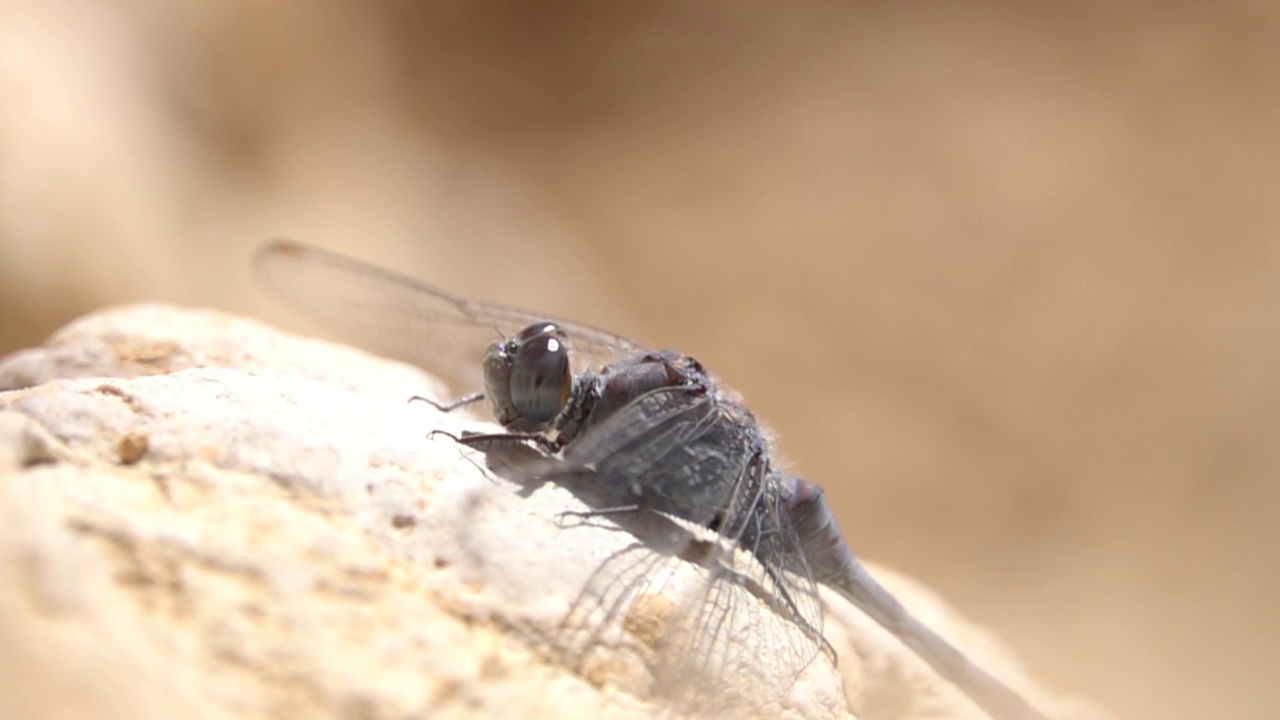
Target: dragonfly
(655, 437)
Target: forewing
(403, 318)
(761, 528)
(751, 610)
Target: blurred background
(1004, 277)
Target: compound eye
(540, 376)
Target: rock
(205, 517)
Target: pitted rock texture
(201, 516)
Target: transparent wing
(403, 318)
(712, 647)
(732, 615)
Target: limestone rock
(204, 517)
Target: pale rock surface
(204, 517)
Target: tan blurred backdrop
(1004, 277)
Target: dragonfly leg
(596, 512)
(474, 397)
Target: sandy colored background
(1003, 277)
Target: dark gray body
(656, 434)
(659, 431)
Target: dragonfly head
(527, 377)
